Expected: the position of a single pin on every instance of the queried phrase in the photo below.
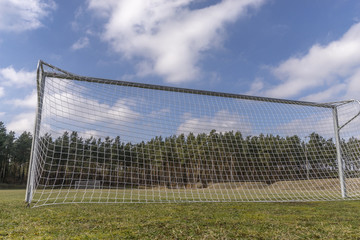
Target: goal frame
(62, 74)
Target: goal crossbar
(68, 75)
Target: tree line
(189, 160)
(174, 161)
(14, 156)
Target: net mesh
(103, 141)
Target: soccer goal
(109, 141)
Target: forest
(14, 156)
(173, 161)
(191, 160)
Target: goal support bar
(32, 162)
(338, 153)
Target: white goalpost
(109, 141)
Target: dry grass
(283, 186)
(239, 185)
(302, 190)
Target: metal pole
(32, 163)
(182, 90)
(338, 154)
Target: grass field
(299, 190)
(314, 220)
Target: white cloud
(353, 83)
(19, 15)
(81, 43)
(29, 101)
(222, 121)
(90, 133)
(161, 112)
(2, 114)
(327, 94)
(78, 108)
(168, 36)
(10, 77)
(66, 110)
(22, 122)
(256, 87)
(326, 68)
(75, 24)
(320, 123)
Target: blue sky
(302, 50)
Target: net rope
(107, 141)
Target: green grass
(49, 197)
(314, 220)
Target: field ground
(285, 191)
(311, 220)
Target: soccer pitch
(309, 220)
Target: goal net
(108, 141)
